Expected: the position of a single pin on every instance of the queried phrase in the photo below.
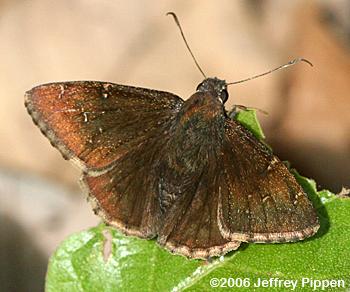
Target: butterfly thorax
(199, 129)
(196, 138)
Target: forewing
(190, 226)
(115, 134)
(96, 123)
(260, 200)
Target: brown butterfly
(182, 171)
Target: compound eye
(199, 86)
(224, 96)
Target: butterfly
(184, 172)
(155, 165)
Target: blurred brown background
(135, 43)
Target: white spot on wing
(62, 91)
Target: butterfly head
(215, 86)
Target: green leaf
(309, 185)
(81, 264)
(249, 119)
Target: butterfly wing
(260, 200)
(189, 192)
(191, 225)
(241, 192)
(95, 123)
(115, 134)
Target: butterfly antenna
(290, 63)
(183, 37)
